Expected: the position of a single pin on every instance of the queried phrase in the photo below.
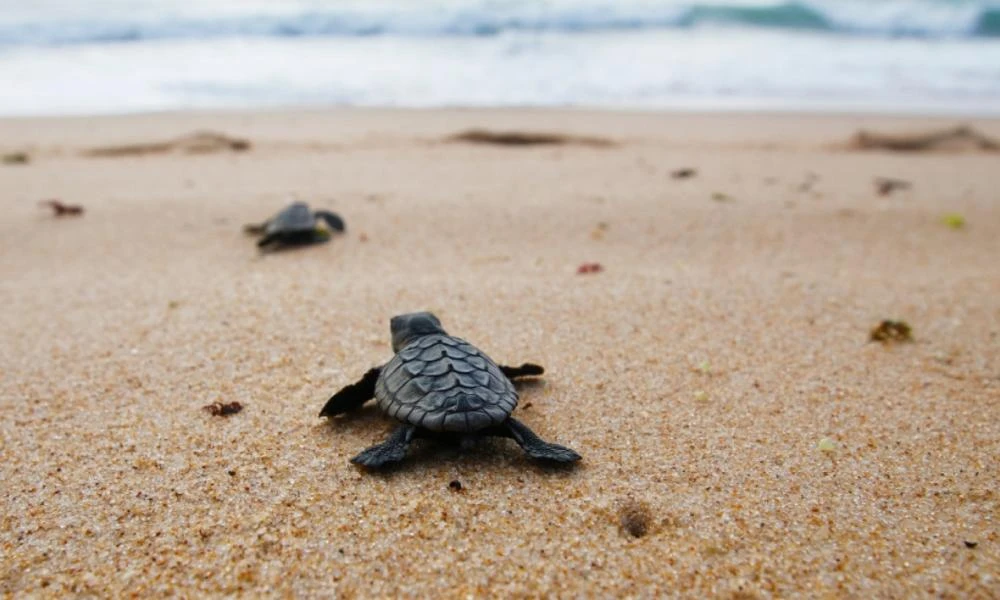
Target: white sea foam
(119, 56)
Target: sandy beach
(716, 374)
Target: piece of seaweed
(925, 141)
(199, 142)
(891, 331)
(526, 138)
(223, 409)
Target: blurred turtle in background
(296, 225)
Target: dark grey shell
(297, 217)
(443, 383)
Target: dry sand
(697, 374)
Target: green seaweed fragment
(826, 445)
(953, 220)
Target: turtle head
(407, 328)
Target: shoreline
(887, 113)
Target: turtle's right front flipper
(332, 219)
(352, 396)
(525, 370)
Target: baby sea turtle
(296, 225)
(440, 386)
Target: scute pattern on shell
(443, 383)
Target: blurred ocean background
(113, 56)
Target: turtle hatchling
(294, 226)
(440, 386)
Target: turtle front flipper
(268, 239)
(288, 239)
(352, 396)
(534, 446)
(390, 451)
(525, 370)
(332, 219)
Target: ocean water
(115, 56)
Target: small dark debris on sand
(223, 409)
(891, 331)
(455, 485)
(525, 138)
(199, 142)
(887, 185)
(685, 173)
(807, 185)
(954, 139)
(722, 197)
(60, 209)
(971, 544)
(16, 158)
(599, 230)
(634, 517)
(587, 268)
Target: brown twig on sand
(962, 137)
(887, 185)
(60, 209)
(220, 409)
(588, 268)
(524, 138)
(685, 173)
(200, 142)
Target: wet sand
(716, 375)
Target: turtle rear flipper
(390, 451)
(352, 396)
(255, 228)
(534, 446)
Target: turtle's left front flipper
(352, 396)
(525, 370)
(332, 219)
